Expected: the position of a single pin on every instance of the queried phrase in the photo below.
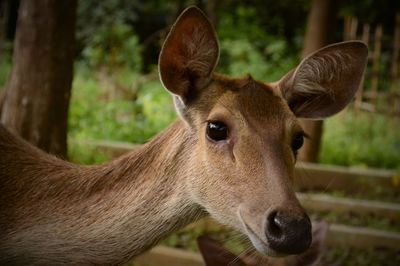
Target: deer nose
(287, 233)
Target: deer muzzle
(278, 232)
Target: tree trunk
(10, 14)
(3, 21)
(38, 91)
(319, 32)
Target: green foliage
(157, 106)
(114, 46)
(265, 57)
(239, 57)
(244, 20)
(82, 154)
(93, 117)
(94, 15)
(282, 19)
(361, 139)
(106, 35)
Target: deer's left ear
(325, 81)
(189, 55)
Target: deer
(230, 154)
(215, 254)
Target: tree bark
(38, 91)
(9, 14)
(319, 32)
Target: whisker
(237, 258)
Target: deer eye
(297, 142)
(216, 130)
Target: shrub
(91, 117)
(361, 139)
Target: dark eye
(217, 130)
(297, 142)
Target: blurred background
(84, 73)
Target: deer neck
(151, 192)
(118, 209)
(153, 182)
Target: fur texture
(53, 212)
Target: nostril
(288, 233)
(273, 225)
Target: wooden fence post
(394, 71)
(360, 92)
(376, 56)
(350, 28)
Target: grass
(361, 139)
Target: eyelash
(297, 142)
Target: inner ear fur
(189, 54)
(325, 81)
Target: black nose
(287, 233)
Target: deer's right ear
(189, 55)
(325, 81)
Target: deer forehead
(246, 102)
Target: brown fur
(56, 213)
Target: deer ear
(325, 81)
(189, 54)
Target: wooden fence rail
(362, 237)
(325, 203)
(348, 179)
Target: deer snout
(287, 233)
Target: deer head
(247, 132)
